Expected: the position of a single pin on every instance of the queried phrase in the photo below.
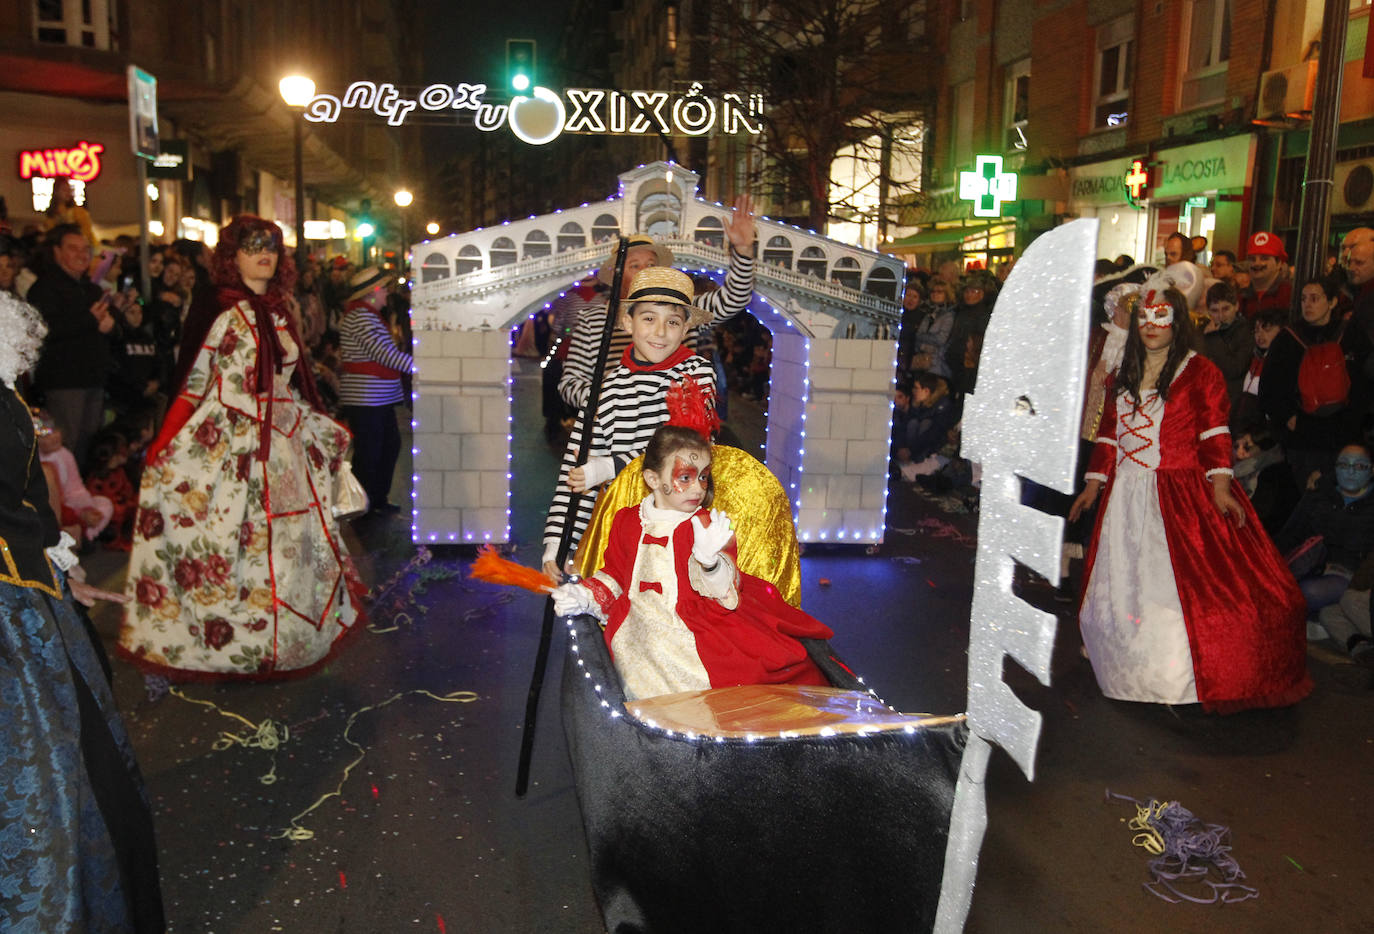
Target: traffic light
(389, 261)
(365, 227)
(520, 62)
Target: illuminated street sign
(987, 186)
(80, 163)
(543, 114)
(1136, 180)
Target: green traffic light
(520, 64)
(365, 229)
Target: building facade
(227, 133)
(1188, 115)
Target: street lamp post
(297, 91)
(404, 199)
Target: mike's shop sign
(543, 115)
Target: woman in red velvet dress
(1186, 599)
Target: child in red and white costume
(680, 615)
(1186, 599)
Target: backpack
(1323, 381)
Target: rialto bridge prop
(832, 309)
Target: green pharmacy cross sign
(987, 186)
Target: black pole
(541, 657)
(300, 190)
(1321, 147)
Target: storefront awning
(927, 239)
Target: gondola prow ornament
(1022, 422)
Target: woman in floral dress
(237, 567)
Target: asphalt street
(377, 795)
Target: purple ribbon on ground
(1193, 850)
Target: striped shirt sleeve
(724, 303)
(363, 338)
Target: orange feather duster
(494, 569)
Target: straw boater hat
(365, 280)
(669, 286)
(662, 256)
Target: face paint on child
(684, 487)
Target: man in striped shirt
(370, 374)
(643, 252)
(633, 402)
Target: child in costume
(1186, 599)
(680, 615)
(633, 397)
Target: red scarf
(270, 352)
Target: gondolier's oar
(541, 657)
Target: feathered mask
(690, 407)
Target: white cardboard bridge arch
(833, 310)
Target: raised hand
(742, 230)
(708, 540)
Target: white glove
(62, 555)
(708, 542)
(572, 599)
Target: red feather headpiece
(690, 407)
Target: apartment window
(1207, 48)
(961, 123)
(1115, 64)
(671, 17)
(1016, 106)
(83, 23)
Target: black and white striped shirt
(365, 342)
(633, 405)
(724, 303)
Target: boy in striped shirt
(633, 401)
(733, 297)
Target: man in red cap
(1270, 286)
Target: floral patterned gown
(237, 567)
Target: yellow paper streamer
(1148, 838)
(295, 831)
(268, 734)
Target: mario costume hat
(1264, 243)
(669, 286)
(364, 281)
(662, 256)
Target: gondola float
(819, 809)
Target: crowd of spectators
(1298, 362)
(114, 355)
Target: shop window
(847, 272)
(1016, 106)
(1115, 62)
(470, 259)
(85, 23)
(710, 231)
(604, 228)
(812, 262)
(503, 252)
(537, 244)
(1207, 50)
(778, 252)
(571, 237)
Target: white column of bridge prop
(1023, 421)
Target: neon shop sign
(543, 115)
(80, 163)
